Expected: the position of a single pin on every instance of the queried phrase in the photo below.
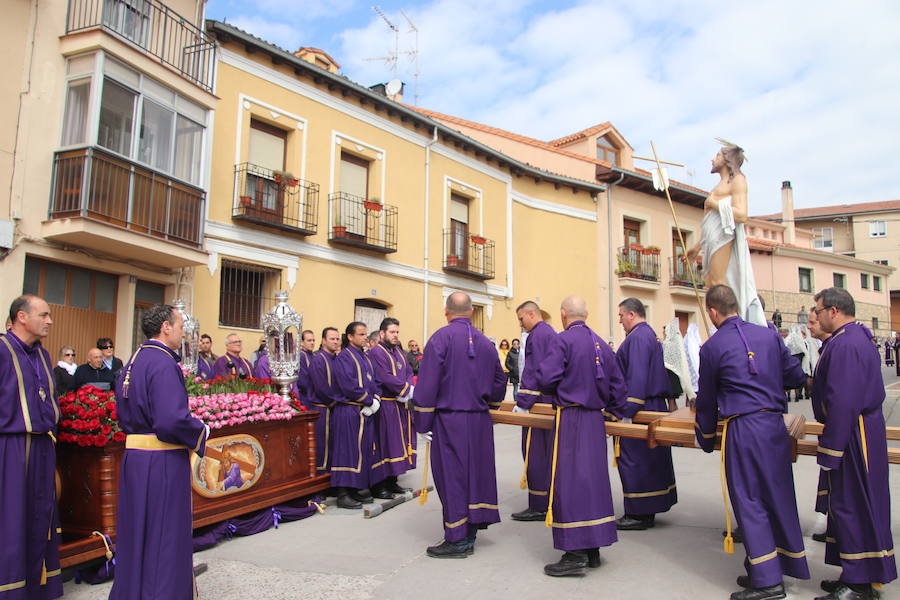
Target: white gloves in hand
(519, 409)
(368, 411)
(626, 420)
(425, 437)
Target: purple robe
(325, 395)
(153, 520)
(848, 392)
(29, 519)
(743, 373)
(240, 366)
(648, 477)
(303, 386)
(395, 378)
(540, 448)
(205, 368)
(460, 378)
(262, 370)
(352, 439)
(581, 370)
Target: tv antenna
(393, 58)
(413, 56)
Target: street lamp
(281, 326)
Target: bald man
(460, 379)
(537, 444)
(581, 373)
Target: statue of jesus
(723, 244)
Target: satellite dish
(393, 87)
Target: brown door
(82, 304)
(683, 321)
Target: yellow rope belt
(523, 483)
(549, 520)
(409, 434)
(148, 441)
(729, 540)
(862, 438)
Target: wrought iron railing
(468, 254)
(367, 224)
(680, 275)
(93, 184)
(638, 262)
(275, 199)
(153, 27)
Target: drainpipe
(425, 262)
(610, 253)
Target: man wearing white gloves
(393, 449)
(352, 461)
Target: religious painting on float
(232, 464)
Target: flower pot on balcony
(373, 205)
(339, 231)
(246, 201)
(452, 260)
(636, 247)
(477, 239)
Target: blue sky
(810, 89)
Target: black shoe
(571, 563)
(744, 581)
(361, 498)
(450, 550)
(380, 491)
(593, 557)
(346, 500)
(773, 592)
(200, 569)
(838, 590)
(636, 522)
(736, 535)
(393, 487)
(529, 515)
(819, 537)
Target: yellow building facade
(362, 208)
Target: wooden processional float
(677, 428)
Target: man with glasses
(232, 363)
(848, 393)
(113, 363)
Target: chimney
(787, 212)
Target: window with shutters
(246, 292)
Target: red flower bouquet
(89, 418)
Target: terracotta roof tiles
(839, 209)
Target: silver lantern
(190, 343)
(282, 326)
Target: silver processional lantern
(281, 326)
(190, 343)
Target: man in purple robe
(580, 369)
(460, 378)
(205, 358)
(29, 520)
(817, 333)
(325, 394)
(153, 520)
(848, 392)
(352, 453)
(648, 477)
(232, 363)
(303, 385)
(744, 369)
(395, 381)
(537, 444)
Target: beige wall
(879, 248)
(842, 232)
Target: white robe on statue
(718, 229)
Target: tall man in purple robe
(205, 357)
(353, 457)
(537, 444)
(232, 363)
(395, 381)
(325, 394)
(29, 520)
(648, 477)
(580, 370)
(303, 385)
(848, 392)
(460, 379)
(153, 520)
(817, 333)
(744, 369)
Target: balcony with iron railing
(92, 185)
(275, 199)
(637, 263)
(680, 276)
(367, 224)
(471, 255)
(154, 28)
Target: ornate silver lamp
(190, 343)
(281, 326)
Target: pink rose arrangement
(227, 410)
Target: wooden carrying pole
(690, 267)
